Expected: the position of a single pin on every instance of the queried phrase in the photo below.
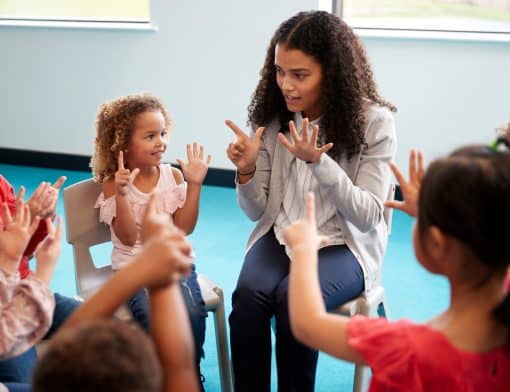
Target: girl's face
(148, 140)
(299, 78)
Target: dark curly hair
(114, 126)
(347, 80)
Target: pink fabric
(27, 308)
(411, 357)
(170, 197)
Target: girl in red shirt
(458, 202)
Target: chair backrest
(83, 230)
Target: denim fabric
(261, 293)
(17, 387)
(19, 369)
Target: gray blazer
(358, 188)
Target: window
(488, 16)
(132, 11)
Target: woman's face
(299, 78)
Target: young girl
(466, 348)
(129, 146)
(327, 130)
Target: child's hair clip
(501, 141)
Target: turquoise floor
(219, 241)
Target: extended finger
(188, 152)
(7, 214)
(34, 225)
(326, 148)
(304, 130)
(26, 215)
(59, 182)
(315, 134)
(237, 131)
(412, 165)
(397, 173)
(21, 193)
(310, 207)
(58, 230)
(50, 227)
(195, 149)
(258, 133)
(120, 161)
(293, 132)
(133, 175)
(201, 153)
(421, 166)
(208, 161)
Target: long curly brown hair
(347, 80)
(114, 126)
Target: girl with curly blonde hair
(131, 139)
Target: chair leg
(223, 347)
(361, 378)
(383, 310)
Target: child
(327, 130)
(26, 305)
(42, 204)
(130, 143)
(461, 198)
(92, 353)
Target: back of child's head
(114, 127)
(347, 78)
(101, 355)
(467, 196)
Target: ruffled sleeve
(27, 308)
(170, 199)
(107, 208)
(385, 347)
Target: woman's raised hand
(410, 189)
(195, 169)
(123, 176)
(304, 147)
(244, 151)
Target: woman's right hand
(123, 176)
(244, 151)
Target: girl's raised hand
(304, 147)
(15, 232)
(123, 176)
(48, 251)
(244, 151)
(195, 169)
(410, 189)
(43, 202)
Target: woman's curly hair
(347, 80)
(114, 126)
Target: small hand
(195, 170)
(303, 233)
(15, 232)
(410, 189)
(304, 147)
(244, 151)
(43, 202)
(48, 251)
(123, 176)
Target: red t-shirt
(7, 196)
(412, 357)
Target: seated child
(95, 353)
(460, 199)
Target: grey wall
(204, 61)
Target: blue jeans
(261, 293)
(19, 369)
(139, 307)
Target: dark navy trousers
(261, 293)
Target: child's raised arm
(194, 172)
(310, 323)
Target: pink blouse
(27, 308)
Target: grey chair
(83, 231)
(371, 303)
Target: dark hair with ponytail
(465, 195)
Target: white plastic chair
(371, 303)
(83, 230)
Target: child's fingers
(34, 225)
(7, 214)
(188, 152)
(26, 215)
(195, 149)
(421, 166)
(133, 175)
(315, 134)
(310, 207)
(397, 173)
(293, 132)
(325, 148)
(58, 230)
(304, 130)
(50, 228)
(21, 193)
(58, 184)
(208, 161)
(120, 161)
(201, 153)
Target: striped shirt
(301, 182)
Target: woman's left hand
(304, 147)
(196, 168)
